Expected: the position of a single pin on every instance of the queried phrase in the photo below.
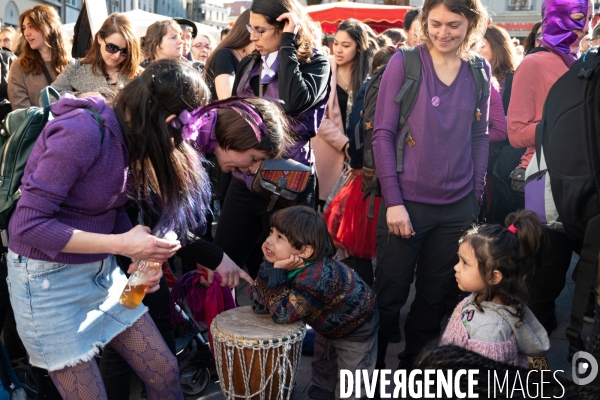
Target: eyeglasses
(201, 46)
(256, 31)
(538, 36)
(114, 49)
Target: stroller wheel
(194, 380)
(30, 381)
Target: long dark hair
(305, 39)
(514, 253)
(168, 176)
(44, 19)
(360, 65)
(116, 23)
(504, 55)
(237, 38)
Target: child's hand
(292, 263)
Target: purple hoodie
(449, 159)
(72, 181)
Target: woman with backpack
(437, 195)
(287, 66)
(347, 213)
(43, 56)
(349, 68)
(111, 63)
(564, 25)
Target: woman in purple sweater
(430, 203)
(63, 279)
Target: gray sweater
(78, 78)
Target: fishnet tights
(145, 351)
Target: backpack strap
(482, 82)
(99, 121)
(508, 81)
(247, 72)
(408, 97)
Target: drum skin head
(243, 323)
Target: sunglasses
(114, 49)
(538, 36)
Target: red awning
(378, 17)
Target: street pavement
(557, 356)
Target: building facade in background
(11, 9)
(209, 12)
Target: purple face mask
(558, 26)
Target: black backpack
(407, 97)
(569, 134)
(20, 130)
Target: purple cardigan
(449, 159)
(72, 181)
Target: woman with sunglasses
(43, 56)
(293, 71)
(111, 63)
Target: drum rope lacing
(284, 359)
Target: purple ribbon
(204, 119)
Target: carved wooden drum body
(256, 358)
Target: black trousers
(549, 278)
(115, 371)
(435, 245)
(245, 222)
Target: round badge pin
(435, 101)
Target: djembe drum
(256, 358)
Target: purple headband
(205, 118)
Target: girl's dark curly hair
(514, 255)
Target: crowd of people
(98, 197)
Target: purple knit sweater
(71, 182)
(449, 159)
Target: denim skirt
(65, 313)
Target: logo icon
(584, 368)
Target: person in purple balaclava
(565, 23)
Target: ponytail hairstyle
(513, 251)
(167, 173)
(43, 19)
(360, 65)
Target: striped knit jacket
(327, 295)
